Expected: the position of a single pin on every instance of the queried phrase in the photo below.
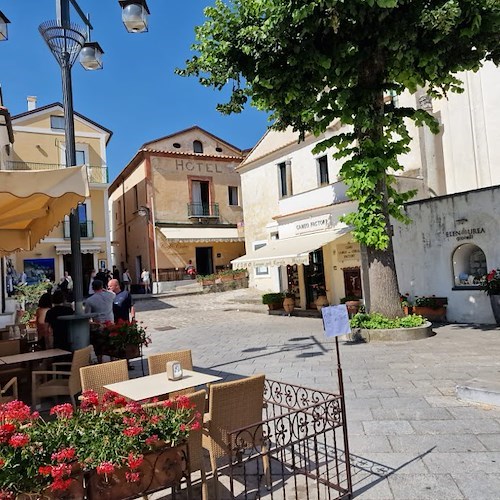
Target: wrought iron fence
(96, 174)
(303, 438)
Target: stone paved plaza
(410, 438)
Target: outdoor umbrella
(33, 202)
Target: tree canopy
(310, 62)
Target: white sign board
(336, 320)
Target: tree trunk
(383, 291)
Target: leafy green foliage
(312, 62)
(28, 296)
(378, 321)
(273, 298)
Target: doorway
(200, 198)
(204, 261)
(87, 267)
(314, 277)
(352, 282)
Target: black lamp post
(67, 41)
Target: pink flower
(134, 461)
(105, 468)
(6, 430)
(90, 399)
(195, 425)
(6, 495)
(60, 470)
(62, 411)
(132, 477)
(183, 427)
(19, 440)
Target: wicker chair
(157, 363)
(47, 383)
(233, 405)
(11, 384)
(95, 377)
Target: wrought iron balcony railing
(96, 174)
(203, 210)
(86, 229)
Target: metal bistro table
(152, 386)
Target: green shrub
(378, 321)
(272, 298)
(433, 302)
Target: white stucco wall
(424, 249)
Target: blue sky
(136, 95)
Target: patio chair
(234, 405)
(157, 363)
(10, 347)
(47, 383)
(11, 384)
(95, 377)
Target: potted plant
(321, 298)
(288, 302)
(273, 300)
(352, 302)
(491, 285)
(124, 339)
(406, 304)
(110, 441)
(431, 307)
(28, 297)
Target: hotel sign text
(198, 166)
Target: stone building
(178, 200)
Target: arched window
(469, 265)
(197, 147)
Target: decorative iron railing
(196, 210)
(96, 174)
(86, 229)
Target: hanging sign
(336, 320)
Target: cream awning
(85, 248)
(33, 202)
(201, 234)
(289, 251)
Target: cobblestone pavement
(410, 438)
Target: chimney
(31, 102)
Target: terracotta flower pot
(288, 304)
(321, 301)
(432, 314)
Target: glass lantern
(135, 15)
(91, 56)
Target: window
(260, 270)
(323, 171)
(119, 212)
(285, 178)
(233, 195)
(57, 122)
(136, 198)
(469, 265)
(80, 157)
(197, 147)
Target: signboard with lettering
(336, 320)
(313, 224)
(348, 251)
(465, 233)
(200, 167)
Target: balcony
(96, 175)
(315, 198)
(203, 210)
(86, 229)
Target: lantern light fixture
(135, 15)
(91, 56)
(3, 27)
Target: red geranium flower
(62, 411)
(19, 440)
(134, 461)
(105, 468)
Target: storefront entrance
(87, 266)
(314, 276)
(204, 261)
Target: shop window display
(469, 265)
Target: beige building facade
(40, 145)
(178, 200)
(294, 238)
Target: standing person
(91, 280)
(126, 280)
(115, 273)
(123, 305)
(66, 286)
(59, 328)
(146, 280)
(102, 275)
(101, 304)
(43, 328)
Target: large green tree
(310, 62)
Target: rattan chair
(234, 405)
(157, 363)
(11, 385)
(48, 383)
(10, 347)
(95, 377)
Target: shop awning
(289, 251)
(33, 202)
(85, 248)
(201, 234)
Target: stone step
(480, 391)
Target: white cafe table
(32, 356)
(152, 386)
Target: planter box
(432, 314)
(275, 306)
(128, 352)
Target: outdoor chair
(10, 385)
(234, 405)
(95, 377)
(157, 363)
(10, 347)
(56, 382)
